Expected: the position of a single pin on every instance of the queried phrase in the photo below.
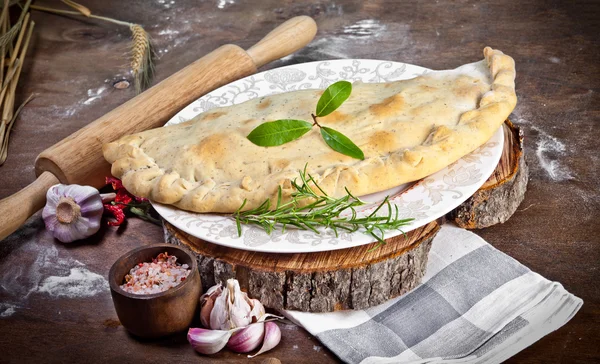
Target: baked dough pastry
(407, 130)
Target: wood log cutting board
(359, 277)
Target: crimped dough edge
(142, 176)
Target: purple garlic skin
(248, 338)
(272, 337)
(231, 318)
(207, 341)
(207, 302)
(72, 212)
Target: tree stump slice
(356, 278)
(500, 196)
(353, 278)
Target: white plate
(426, 201)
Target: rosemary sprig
(311, 208)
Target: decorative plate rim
(450, 186)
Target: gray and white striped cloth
(475, 305)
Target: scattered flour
(7, 309)
(79, 283)
(166, 3)
(34, 268)
(554, 59)
(348, 44)
(170, 35)
(62, 111)
(169, 32)
(317, 348)
(365, 28)
(330, 46)
(167, 39)
(94, 94)
(546, 146)
(221, 4)
(548, 150)
(333, 9)
(295, 347)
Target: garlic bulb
(72, 212)
(229, 308)
(232, 318)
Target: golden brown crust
(407, 129)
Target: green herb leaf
(333, 97)
(310, 207)
(278, 132)
(341, 143)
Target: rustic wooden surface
(354, 278)
(75, 63)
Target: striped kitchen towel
(475, 305)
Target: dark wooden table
(54, 306)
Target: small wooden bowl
(158, 314)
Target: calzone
(407, 130)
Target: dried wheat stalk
(141, 57)
(12, 55)
(141, 46)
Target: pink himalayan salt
(161, 274)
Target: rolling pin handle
(16, 209)
(286, 39)
(215, 69)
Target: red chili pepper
(115, 182)
(117, 185)
(123, 198)
(140, 199)
(117, 212)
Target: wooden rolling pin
(78, 158)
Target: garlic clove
(271, 339)
(207, 302)
(207, 341)
(205, 310)
(258, 310)
(239, 308)
(219, 316)
(247, 339)
(212, 291)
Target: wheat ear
(141, 57)
(141, 47)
